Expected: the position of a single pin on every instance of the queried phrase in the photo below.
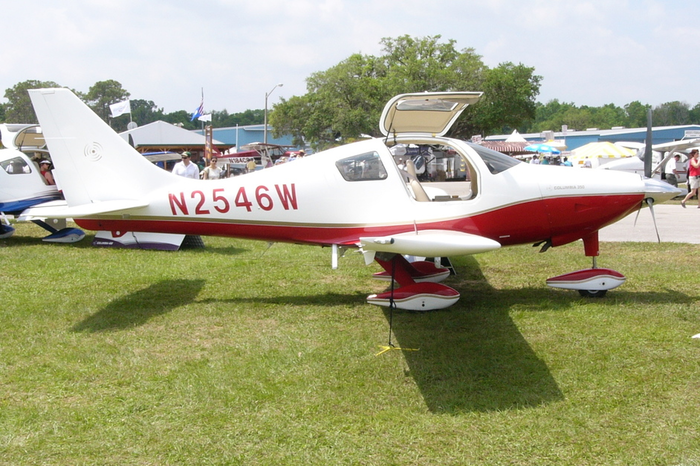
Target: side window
(363, 167)
(15, 166)
(495, 161)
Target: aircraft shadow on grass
(472, 360)
(139, 307)
(471, 356)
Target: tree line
(345, 101)
(102, 94)
(554, 114)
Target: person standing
(673, 168)
(693, 176)
(250, 166)
(212, 172)
(186, 168)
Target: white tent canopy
(515, 137)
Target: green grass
(240, 354)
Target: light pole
(266, 96)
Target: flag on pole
(200, 110)
(120, 108)
(206, 117)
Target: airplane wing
(428, 243)
(60, 209)
(677, 145)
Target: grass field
(240, 354)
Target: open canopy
(424, 114)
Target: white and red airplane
(353, 196)
(22, 186)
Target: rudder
(92, 162)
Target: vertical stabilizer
(92, 162)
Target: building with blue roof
(240, 136)
(574, 139)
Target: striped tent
(599, 153)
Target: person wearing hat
(45, 171)
(186, 168)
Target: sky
(591, 53)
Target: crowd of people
(550, 160)
(187, 168)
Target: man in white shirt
(674, 167)
(186, 168)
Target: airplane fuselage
(310, 201)
(364, 194)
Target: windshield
(495, 161)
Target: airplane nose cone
(659, 191)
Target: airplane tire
(592, 293)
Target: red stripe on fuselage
(566, 218)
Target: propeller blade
(650, 203)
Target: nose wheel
(590, 283)
(592, 293)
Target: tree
(550, 115)
(554, 114)
(695, 115)
(296, 118)
(145, 111)
(102, 94)
(19, 107)
(222, 119)
(343, 101)
(609, 116)
(180, 118)
(414, 65)
(346, 100)
(636, 114)
(671, 113)
(508, 101)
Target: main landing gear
(418, 290)
(590, 283)
(59, 232)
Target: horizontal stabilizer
(430, 243)
(60, 209)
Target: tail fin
(92, 162)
